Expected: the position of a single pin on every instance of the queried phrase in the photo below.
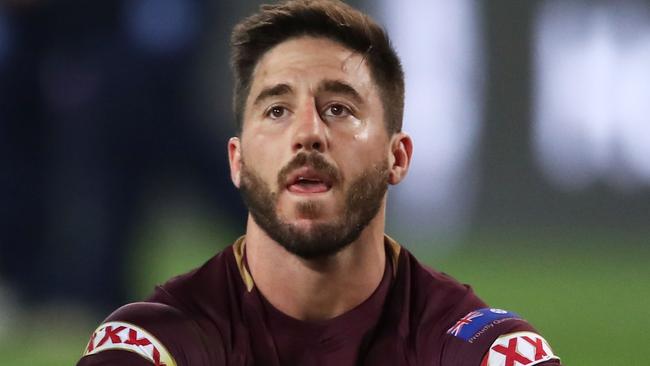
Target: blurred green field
(589, 295)
(592, 302)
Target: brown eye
(337, 110)
(276, 112)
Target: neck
(317, 289)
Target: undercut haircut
(331, 19)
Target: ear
(234, 158)
(401, 150)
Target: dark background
(114, 118)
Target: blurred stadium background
(531, 177)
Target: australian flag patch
(475, 321)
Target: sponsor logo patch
(474, 324)
(128, 337)
(517, 349)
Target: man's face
(314, 147)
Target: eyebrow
(273, 91)
(340, 87)
(330, 86)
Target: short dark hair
(332, 19)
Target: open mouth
(307, 180)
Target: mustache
(314, 160)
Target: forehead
(306, 61)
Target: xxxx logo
(128, 337)
(518, 349)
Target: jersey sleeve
(495, 337)
(146, 334)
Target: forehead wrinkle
(360, 69)
(350, 63)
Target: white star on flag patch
(518, 349)
(128, 337)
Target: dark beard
(362, 202)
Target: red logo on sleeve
(128, 337)
(518, 349)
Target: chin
(310, 211)
(307, 224)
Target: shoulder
(211, 295)
(182, 323)
(452, 324)
(491, 337)
(434, 297)
(213, 286)
(158, 334)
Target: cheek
(369, 130)
(263, 164)
(355, 162)
(268, 154)
(362, 148)
(361, 136)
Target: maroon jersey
(215, 316)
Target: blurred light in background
(162, 25)
(592, 93)
(442, 57)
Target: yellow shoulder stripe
(238, 250)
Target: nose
(310, 133)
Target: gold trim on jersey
(240, 246)
(238, 250)
(395, 249)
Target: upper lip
(310, 174)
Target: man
(315, 281)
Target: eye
(276, 112)
(337, 110)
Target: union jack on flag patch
(471, 324)
(455, 330)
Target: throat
(312, 297)
(315, 289)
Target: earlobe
(234, 159)
(401, 153)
